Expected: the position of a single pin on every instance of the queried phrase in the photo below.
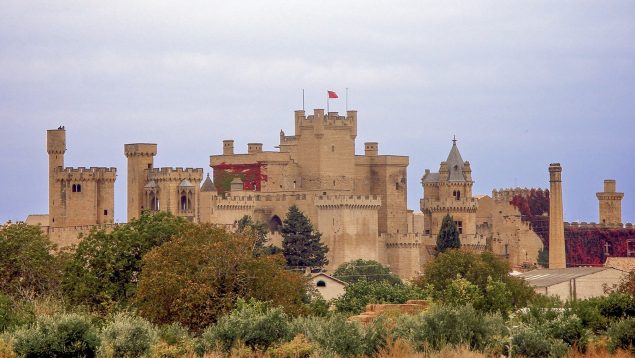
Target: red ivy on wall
(584, 245)
(251, 174)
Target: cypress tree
(448, 237)
(301, 244)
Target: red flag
(332, 94)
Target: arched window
(321, 284)
(275, 224)
(458, 195)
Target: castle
(357, 202)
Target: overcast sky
(521, 84)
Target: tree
(448, 237)
(199, 275)
(368, 270)
(105, 267)
(363, 292)
(627, 285)
(301, 243)
(257, 230)
(484, 270)
(26, 263)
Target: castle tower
(450, 192)
(140, 158)
(55, 147)
(610, 203)
(557, 255)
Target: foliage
(543, 257)
(26, 263)
(586, 245)
(627, 285)
(6, 348)
(66, 335)
(251, 174)
(359, 294)
(257, 230)
(199, 275)
(617, 305)
(461, 292)
(252, 323)
(301, 242)
(532, 343)
(622, 335)
(335, 335)
(486, 271)
(105, 267)
(448, 237)
(127, 336)
(454, 326)
(318, 307)
(7, 312)
(298, 347)
(368, 270)
(534, 208)
(589, 313)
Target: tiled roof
(547, 277)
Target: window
(459, 225)
(149, 165)
(456, 194)
(332, 148)
(321, 284)
(105, 212)
(630, 248)
(76, 188)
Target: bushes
(66, 335)
(622, 335)
(127, 336)
(359, 294)
(336, 336)
(252, 323)
(535, 343)
(444, 325)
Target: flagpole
(346, 99)
(303, 99)
(327, 103)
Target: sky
(520, 83)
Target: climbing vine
(251, 174)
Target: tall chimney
(557, 255)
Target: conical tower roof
(455, 163)
(208, 185)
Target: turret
(140, 158)
(371, 149)
(55, 147)
(610, 204)
(228, 147)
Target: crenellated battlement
(349, 201)
(405, 240)
(507, 194)
(261, 197)
(86, 174)
(167, 173)
(592, 225)
(320, 121)
(463, 205)
(140, 149)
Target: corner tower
(610, 203)
(55, 147)
(140, 158)
(557, 255)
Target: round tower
(140, 159)
(557, 255)
(55, 147)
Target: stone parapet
(86, 174)
(407, 240)
(348, 201)
(168, 174)
(451, 205)
(507, 194)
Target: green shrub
(6, 347)
(361, 293)
(252, 323)
(298, 347)
(7, 312)
(127, 336)
(175, 342)
(532, 343)
(445, 325)
(589, 314)
(174, 334)
(318, 307)
(617, 305)
(334, 335)
(64, 335)
(621, 334)
(568, 328)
